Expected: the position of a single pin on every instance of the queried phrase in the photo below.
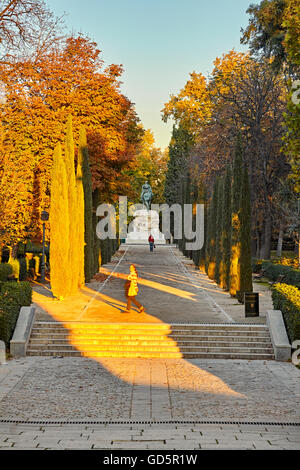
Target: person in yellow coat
(131, 289)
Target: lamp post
(44, 218)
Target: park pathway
(171, 290)
(133, 403)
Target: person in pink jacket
(151, 242)
(131, 289)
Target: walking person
(151, 242)
(131, 290)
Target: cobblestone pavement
(73, 388)
(148, 436)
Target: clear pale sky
(158, 42)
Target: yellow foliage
(59, 229)
(80, 218)
(14, 264)
(37, 264)
(28, 257)
(291, 293)
(234, 269)
(211, 270)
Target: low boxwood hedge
(5, 271)
(287, 299)
(13, 296)
(273, 271)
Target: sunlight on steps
(146, 340)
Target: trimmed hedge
(5, 271)
(272, 271)
(13, 296)
(287, 299)
(256, 265)
(23, 269)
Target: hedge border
(287, 299)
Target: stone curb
(2, 353)
(20, 339)
(279, 337)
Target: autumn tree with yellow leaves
(244, 96)
(39, 96)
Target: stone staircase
(150, 340)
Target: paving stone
(230, 446)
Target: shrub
(256, 265)
(5, 255)
(272, 271)
(23, 269)
(5, 271)
(12, 297)
(284, 261)
(287, 299)
(14, 263)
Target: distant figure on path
(131, 290)
(151, 242)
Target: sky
(158, 42)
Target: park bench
(259, 275)
(278, 280)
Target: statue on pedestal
(146, 221)
(146, 195)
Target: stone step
(145, 342)
(139, 347)
(151, 336)
(152, 326)
(164, 355)
(130, 332)
(150, 340)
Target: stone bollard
(2, 353)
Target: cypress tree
(245, 231)
(88, 206)
(177, 171)
(226, 231)
(59, 228)
(97, 254)
(213, 231)
(80, 213)
(177, 164)
(186, 199)
(235, 233)
(219, 221)
(73, 256)
(199, 196)
(207, 229)
(202, 200)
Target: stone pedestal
(145, 222)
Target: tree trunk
(279, 243)
(257, 240)
(253, 245)
(266, 249)
(262, 244)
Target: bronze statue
(146, 195)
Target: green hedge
(5, 271)
(287, 299)
(13, 295)
(256, 265)
(23, 269)
(272, 271)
